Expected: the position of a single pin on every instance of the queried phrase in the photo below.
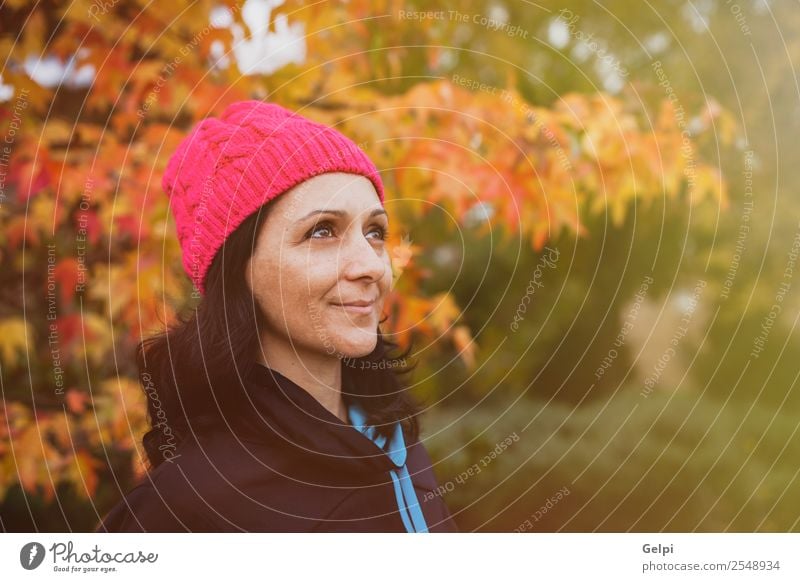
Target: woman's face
(322, 246)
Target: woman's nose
(360, 258)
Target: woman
(276, 406)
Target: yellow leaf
(83, 473)
(15, 337)
(37, 463)
(57, 130)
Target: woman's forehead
(337, 193)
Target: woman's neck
(323, 380)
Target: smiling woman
(277, 404)
(332, 273)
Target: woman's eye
(321, 227)
(381, 232)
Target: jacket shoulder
(146, 509)
(183, 493)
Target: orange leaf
(462, 338)
(85, 474)
(76, 400)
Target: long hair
(194, 372)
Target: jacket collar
(292, 418)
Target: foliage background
(653, 144)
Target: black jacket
(308, 472)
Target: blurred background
(597, 248)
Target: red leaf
(29, 177)
(69, 327)
(66, 275)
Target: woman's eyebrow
(340, 213)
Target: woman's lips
(357, 309)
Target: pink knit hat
(227, 168)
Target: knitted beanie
(227, 168)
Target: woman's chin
(357, 345)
